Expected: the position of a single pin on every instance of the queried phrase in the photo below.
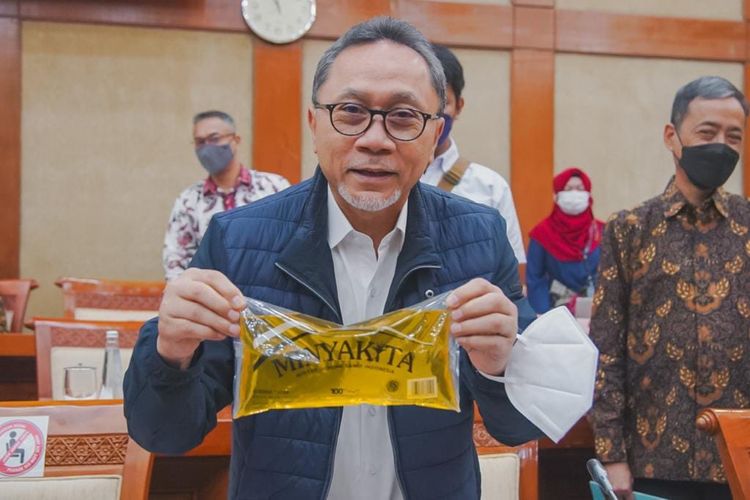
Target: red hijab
(565, 236)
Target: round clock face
(279, 21)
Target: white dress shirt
(481, 185)
(364, 460)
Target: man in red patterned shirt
(229, 184)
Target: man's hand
(198, 305)
(621, 479)
(485, 323)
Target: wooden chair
(731, 430)
(508, 472)
(89, 454)
(68, 342)
(110, 300)
(15, 294)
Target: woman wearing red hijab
(564, 248)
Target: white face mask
(550, 374)
(573, 202)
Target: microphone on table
(599, 474)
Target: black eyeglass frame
(373, 113)
(211, 140)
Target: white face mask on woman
(573, 202)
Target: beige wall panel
(482, 131)
(312, 50)
(107, 143)
(715, 9)
(610, 114)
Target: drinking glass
(80, 382)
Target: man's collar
(308, 256)
(446, 160)
(674, 200)
(339, 226)
(210, 187)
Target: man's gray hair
(374, 30)
(705, 87)
(214, 114)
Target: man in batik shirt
(672, 311)
(229, 184)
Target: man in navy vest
(361, 238)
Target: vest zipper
(397, 464)
(332, 458)
(302, 282)
(338, 419)
(403, 278)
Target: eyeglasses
(212, 139)
(402, 124)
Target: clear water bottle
(112, 376)
(4, 326)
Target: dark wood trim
(579, 436)
(533, 28)
(533, 3)
(336, 16)
(277, 100)
(17, 378)
(10, 145)
(532, 97)
(468, 25)
(223, 15)
(617, 34)
(17, 345)
(9, 8)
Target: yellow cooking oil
(292, 360)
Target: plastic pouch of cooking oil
(285, 359)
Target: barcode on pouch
(419, 388)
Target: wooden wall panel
(533, 28)
(459, 24)
(221, 15)
(534, 3)
(333, 16)
(336, 16)
(277, 99)
(10, 145)
(532, 134)
(603, 33)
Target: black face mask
(708, 166)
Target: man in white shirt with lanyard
(460, 176)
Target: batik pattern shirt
(672, 323)
(196, 205)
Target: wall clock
(279, 21)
